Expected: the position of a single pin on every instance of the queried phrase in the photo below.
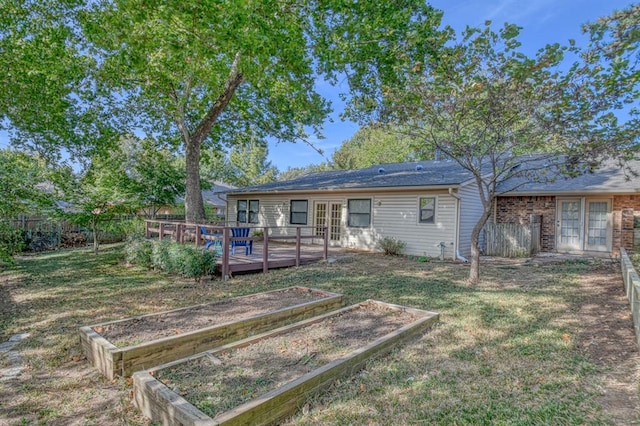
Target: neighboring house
(432, 206)
(591, 213)
(215, 201)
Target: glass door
(569, 224)
(598, 222)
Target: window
(242, 211)
(427, 210)
(254, 208)
(298, 213)
(359, 213)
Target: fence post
(297, 246)
(198, 235)
(326, 243)
(225, 253)
(265, 250)
(161, 226)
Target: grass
(508, 351)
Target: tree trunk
(474, 271)
(193, 204)
(94, 228)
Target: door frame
(328, 218)
(583, 225)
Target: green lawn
(512, 350)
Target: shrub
(161, 256)
(11, 242)
(138, 251)
(173, 258)
(391, 246)
(195, 262)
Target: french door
(328, 214)
(583, 224)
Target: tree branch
(234, 81)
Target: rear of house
(590, 214)
(431, 206)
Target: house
(592, 213)
(214, 199)
(432, 206)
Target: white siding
(393, 215)
(396, 216)
(470, 213)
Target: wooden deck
(279, 256)
(300, 245)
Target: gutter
(456, 238)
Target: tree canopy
(485, 104)
(379, 144)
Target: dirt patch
(153, 327)
(216, 384)
(609, 340)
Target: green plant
(160, 256)
(11, 242)
(195, 262)
(259, 233)
(391, 246)
(138, 251)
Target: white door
(598, 225)
(329, 215)
(569, 224)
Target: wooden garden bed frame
(113, 361)
(159, 403)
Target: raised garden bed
(119, 348)
(265, 378)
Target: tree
(197, 73)
(23, 184)
(244, 165)
(484, 104)
(23, 190)
(295, 172)
(96, 195)
(378, 144)
(153, 172)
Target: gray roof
(216, 196)
(609, 177)
(417, 173)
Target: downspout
(456, 241)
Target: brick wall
(518, 210)
(624, 209)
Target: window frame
(239, 210)
(350, 214)
(250, 215)
(253, 216)
(306, 212)
(432, 220)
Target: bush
(161, 256)
(391, 246)
(11, 242)
(180, 259)
(138, 252)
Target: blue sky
(543, 22)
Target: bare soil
(216, 384)
(152, 327)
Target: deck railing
(192, 233)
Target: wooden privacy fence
(264, 255)
(511, 239)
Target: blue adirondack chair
(241, 233)
(215, 244)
